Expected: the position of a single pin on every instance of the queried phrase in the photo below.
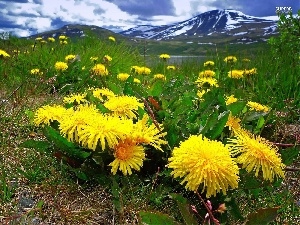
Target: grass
(38, 186)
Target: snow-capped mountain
(215, 22)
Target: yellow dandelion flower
(202, 92)
(70, 57)
(123, 76)
(36, 72)
(105, 130)
(250, 72)
(47, 114)
(159, 77)
(75, 120)
(143, 70)
(124, 106)
(257, 154)
(51, 39)
(128, 155)
(111, 39)
(164, 56)
(171, 67)
(61, 66)
(204, 162)
(254, 106)
(39, 39)
(207, 73)
(3, 54)
(209, 63)
(62, 37)
(43, 42)
(230, 99)
(99, 70)
(94, 58)
(83, 68)
(233, 123)
(63, 42)
(145, 133)
(135, 80)
(237, 74)
(107, 58)
(207, 80)
(102, 93)
(230, 59)
(75, 98)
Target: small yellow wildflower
(61, 66)
(43, 42)
(164, 56)
(159, 77)
(123, 76)
(207, 162)
(63, 42)
(237, 74)
(230, 99)
(143, 70)
(70, 57)
(3, 54)
(135, 80)
(107, 58)
(250, 72)
(230, 59)
(207, 73)
(39, 39)
(36, 72)
(202, 92)
(94, 58)
(99, 70)
(171, 67)
(254, 106)
(233, 123)
(209, 63)
(51, 39)
(111, 39)
(207, 80)
(62, 37)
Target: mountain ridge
(227, 21)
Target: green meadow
(97, 130)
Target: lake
(176, 59)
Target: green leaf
(115, 191)
(234, 208)
(262, 217)
(64, 145)
(184, 207)
(155, 218)
(128, 86)
(236, 107)
(30, 115)
(41, 146)
(218, 127)
(288, 155)
(156, 89)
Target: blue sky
(27, 17)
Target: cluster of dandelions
(119, 132)
(214, 167)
